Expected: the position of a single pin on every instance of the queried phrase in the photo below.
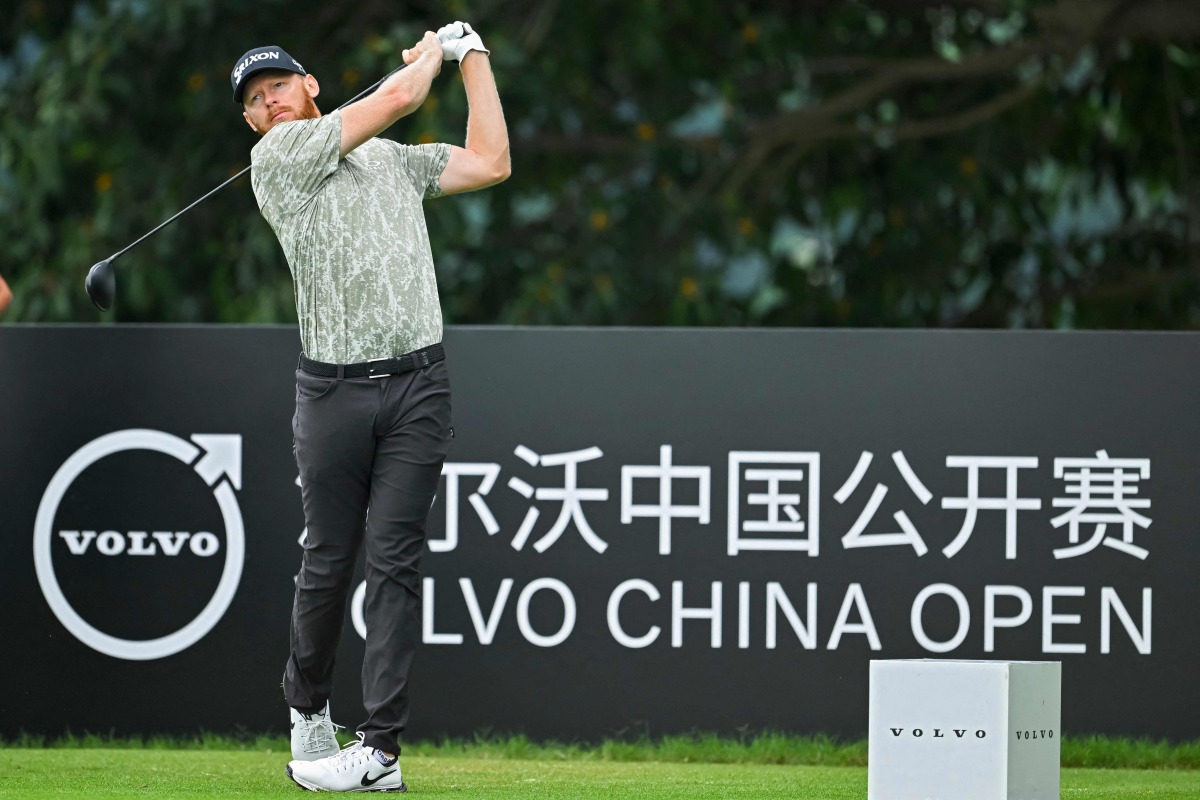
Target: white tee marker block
(952, 730)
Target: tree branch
(1066, 27)
(956, 123)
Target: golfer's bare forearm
(487, 133)
(398, 96)
(410, 86)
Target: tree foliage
(976, 163)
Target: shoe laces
(353, 754)
(320, 734)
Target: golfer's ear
(314, 88)
(246, 117)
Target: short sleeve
(292, 161)
(424, 165)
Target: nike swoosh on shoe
(368, 781)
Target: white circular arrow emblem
(222, 457)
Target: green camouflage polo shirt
(354, 235)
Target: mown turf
(165, 774)
(761, 748)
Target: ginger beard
(308, 107)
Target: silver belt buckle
(371, 370)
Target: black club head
(101, 284)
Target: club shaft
(179, 214)
(371, 88)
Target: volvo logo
(112, 543)
(215, 459)
(938, 733)
(1038, 734)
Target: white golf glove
(457, 40)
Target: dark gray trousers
(370, 453)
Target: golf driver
(101, 281)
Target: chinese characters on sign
(775, 501)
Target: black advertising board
(637, 531)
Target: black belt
(376, 367)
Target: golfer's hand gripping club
(458, 39)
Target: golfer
(372, 423)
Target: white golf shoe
(357, 768)
(313, 735)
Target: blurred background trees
(964, 163)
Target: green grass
(1101, 752)
(167, 774)
(764, 748)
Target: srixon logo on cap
(269, 54)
